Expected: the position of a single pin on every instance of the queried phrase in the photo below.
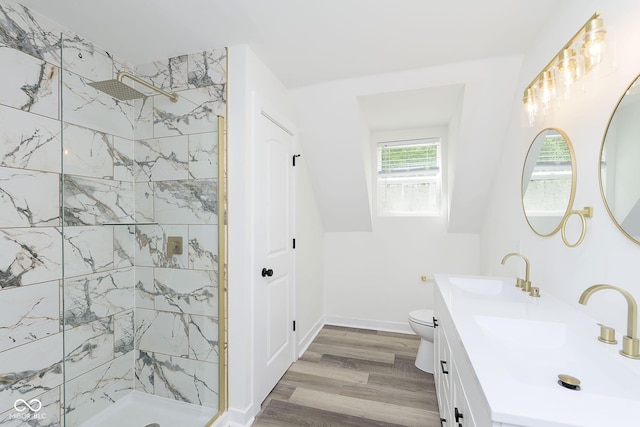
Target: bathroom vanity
(499, 351)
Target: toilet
(421, 321)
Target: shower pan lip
(123, 92)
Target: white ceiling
(303, 41)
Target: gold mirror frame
(527, 161)
(627, 92)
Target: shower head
(118, 90)
(124, 92)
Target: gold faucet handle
(607, 334)
(519, 282)
(535, 292)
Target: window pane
(409, 179)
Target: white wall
(605, 256)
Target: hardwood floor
(354, 377)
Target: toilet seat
(422, 317)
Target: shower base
(140, 409)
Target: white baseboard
(238, 418)
(309, 337)
(378, 325)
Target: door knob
(267, 272)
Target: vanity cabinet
(460, 398)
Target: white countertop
(518, 345)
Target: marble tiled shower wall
(128, 316)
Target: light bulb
(594, 43)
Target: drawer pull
(435, 323)
(443, 364)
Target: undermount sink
(524, 332)
(478, 286)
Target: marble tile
(151, 246)
(82, 57)
(195, 112)
(95, 296)
(203, 338)
(97, 389)
(203, 247)
(92, 201)
(162, 159)
(203, 155)
(29, 198)
(143, 118)
(170, 74)
(28, 32)
(144, 371)
(29, 141)
(90, 108)
(208, 68)
(123, 163)
(30, 370)
(87, 152)
(186, 380)
(124, 240)
(162, 332)
(29, 256)
(186, 202)
(30, 84)
(123, 333)
(47, 416)
(186, 291)
(144, 201)
(28, 313)
(83, 255)
(145, 289)
(88, 346)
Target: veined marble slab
(30, 255)
(47, 416)
(203, 338)
(145, 289)
(95, 296)
(95, 390)
(162, 159)
(124, 240)
(161, 331)
(186, 201)
(186, 291)
(203, 155)
(29, 141)
(93, 201)
(30, 84)
(87, 152)
(88, 346)
(203, 247)
(123, 155)
(151, 246)
(208, 68)
(195, 112)
(144, 201)
(83, 255)
(29, 370)
(170, 74)
(123, 332)
(28, 313)
(29, 198)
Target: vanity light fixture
(580, 55)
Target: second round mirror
(548, 181)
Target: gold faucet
(630, 342)
(520, 283)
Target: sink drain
(567, 381)
(153, 425)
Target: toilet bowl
(421, 322)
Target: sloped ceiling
(331, 53)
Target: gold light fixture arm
(171, 95)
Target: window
(409, 177)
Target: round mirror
(548, 181)
(619, 171)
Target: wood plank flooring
(353, 377)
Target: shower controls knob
(267, 272)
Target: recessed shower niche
(96, 315)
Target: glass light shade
(567, 66)
(594, 42)
(545, 90)
(530, 106)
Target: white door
(273, 275)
